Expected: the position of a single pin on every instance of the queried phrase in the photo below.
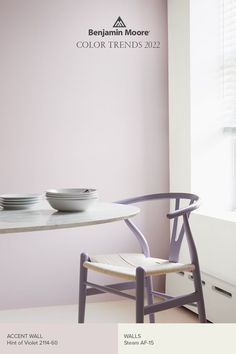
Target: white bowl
(71, 192)
(71, 204)
(79, 197)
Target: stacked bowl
(72, 199)
(19, 201)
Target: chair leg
(149, 288)
(82, 287)
(139, 295)
(200, 304)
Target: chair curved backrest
(177, 233)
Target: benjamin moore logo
(119, 23)
(119, 30)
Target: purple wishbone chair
(138, 269)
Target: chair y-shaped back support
(144, 281)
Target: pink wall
(72, 118)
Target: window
(229, 64)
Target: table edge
(65, 226)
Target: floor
(100, 312)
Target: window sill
(217, 214)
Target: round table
(46, 218)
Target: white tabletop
(47, 218)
